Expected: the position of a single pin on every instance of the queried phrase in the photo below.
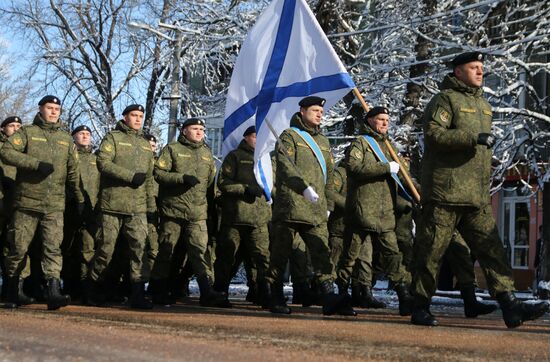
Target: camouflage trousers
(254, 240)
(301, 270)
(151, 251)
(461, 263)
(384, 246)
(195, 236)
(362, 273)
(316, 240)
(134, 230)
(23, 226)
(478, 228)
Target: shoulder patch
(357, 154)
(162, 163)
(17, 140)
(227, 168)
(443, 115)
(108, 148)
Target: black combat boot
(368, 300)
(252, 294)
(405, 299)
(137, 298)
(92, 293)
(209, 297)
(264, 294)
(543, 294)
(421, 314)
(160, 294)
(355, 296)
(22, 298)
(302, 294)
(55, 299)
(12, 293)
(515, 312)
(473, 308)
(278, 303)
(336, 303)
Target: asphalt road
(246, 333)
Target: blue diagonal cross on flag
(285, 57)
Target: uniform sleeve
(439, 128)
(163, 167)
(329, 186)
(335, 193)
(227, 176)
(12, 152)
(361, 163)
(286, 164)
(150, 187)
(73, 175)
(105, 162)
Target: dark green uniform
(184, 207)
(370, 215)
(244, 217)
(152, 244)
(123, 153)
(80, 230)
(404, 230)
(455, 188)
(292, 213)
(40, 200)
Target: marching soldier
(304, 174)
(370, 206)
(80, 230)
(46, 162)
(245, 214)
(126, 201)
(185, 172)
(456, 169)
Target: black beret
(193, 121)
(312, 101)
(374, 111)
(150, 137)
(81, 128)
(49, 99)
(249, 130)
(133, 107)
(12, 119)
(467, 58)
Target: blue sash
(382, 158)
(315, 148)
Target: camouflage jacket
(403, 219)
(237, 174)
(176, 198)
(42, 142)
(299, 169)
(455, 170)
(89, 176)
(338, 196)
(7, 186)
(371, 189)
(123, 153)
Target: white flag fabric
(285, 57)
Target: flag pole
(402, 170)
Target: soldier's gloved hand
(138, 179)
(80, 208)
(151, 217)
(394, 167)
(45, 168)
(486, 139)
(190, 180)
(252, 191)
(310, 194)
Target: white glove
(310, 194)
(328, 213)
(394, 167)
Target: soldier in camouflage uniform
(370, 208)
(304, 174)
(361, 277)
(80, 229)
(152, 244)
(456, 169)
(245, 214)
(7, 190)
(185, 172)
(46, 162)
(126, 202)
